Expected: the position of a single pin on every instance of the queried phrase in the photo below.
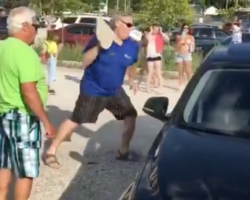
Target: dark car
(227, 41)
(202, 151)
(3, 27)
(203, 25)
(75, 33)
(204, 35)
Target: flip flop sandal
(51, 161)
(128, 156)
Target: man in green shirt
(23, 93)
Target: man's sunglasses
(129, 25)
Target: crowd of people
(153, 42)
(108, 56)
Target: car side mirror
(157, 107)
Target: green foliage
(58, 6)
(168, 13)
(71, 53)
(169, 58)
(227, 14)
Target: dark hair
(146, 29)
(155, 25)
(183, 25)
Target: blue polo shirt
(105, 76)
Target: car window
(195, 32)
(227, 40)
(207, 33)
(88, 20)
(69, 20)
(220, 34)
(85, 30)
(3, 22)
(220, 101)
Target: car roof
(80, 24)
(205, 27)
(88, 16)
(198, 27)
(234, 53)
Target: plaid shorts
(88, 108)
(20, 141)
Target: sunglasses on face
(129, 25)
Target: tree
(58, 6)
(168, 12)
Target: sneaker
(104, 33)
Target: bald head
(122, 25)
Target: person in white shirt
(237, 34)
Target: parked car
(3, 27)
(86, 19)
(75, 33)
(203, 25)
(227, 41)
(202, 151)
(204, 35)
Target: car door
(219, 34)
(204, 39)
(79, 34)
(206, 33)
(3, 27)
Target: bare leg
(158, 72)
(5, 179)
(128, 132)
(65, 131)
(188, 69)
(180, 72)
(23, 188)
(150, 74)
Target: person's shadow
(72, 78)
(58, 116)
(100, 172)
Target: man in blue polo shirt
(105, 60)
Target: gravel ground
(89, 169)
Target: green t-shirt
(19, 63)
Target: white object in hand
(104, 33)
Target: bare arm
(33, 101)
(132, 70)
(90, 52)
(165, 37)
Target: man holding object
(105, 60)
